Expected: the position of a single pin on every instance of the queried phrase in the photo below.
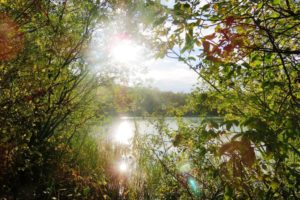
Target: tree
(47, 93)
(247, 55)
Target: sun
(124, 51)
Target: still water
(122, 129)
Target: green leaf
(277, 2)
(206, 7)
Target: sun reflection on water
(123, 167)
(124, 133)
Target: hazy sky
(166, 74)
(170, 75)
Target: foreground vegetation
(246, 54)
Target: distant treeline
(154, 101)
(141, 101)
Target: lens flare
(193, 185)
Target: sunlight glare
(124, 51)
(123, 167)
(124, 133)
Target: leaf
(159, 21)
(229, 21)
(274, 185)
(206, 46)
(228, 193)
(206, 7)
(210, 37)
(177, 140)
(276, 2)
(191, 58)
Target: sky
(169, 74)
(166, 74)
(168, 3)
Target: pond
(122, 129)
